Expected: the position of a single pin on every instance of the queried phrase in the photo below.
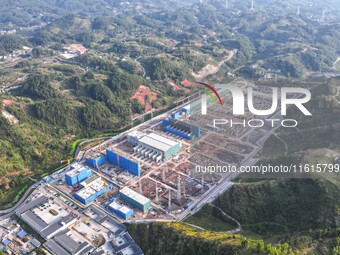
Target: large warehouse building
(45, 226)
(135, 199)
(154, 146)
(66, 243)
(77, 174)
(91, 190)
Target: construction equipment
(76, 187)
(101, 175)
(68, 160)
(182, 117)
(93, 145)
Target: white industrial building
(134, 137)
(153, 146)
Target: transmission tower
(156, 193)
(179, 194)
(323, 16)
(169, 202)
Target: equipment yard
(164, 161)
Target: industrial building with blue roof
(121, 210)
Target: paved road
(10, 211)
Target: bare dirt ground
(211, 69)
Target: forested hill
(181, 239)
(37, 12)
(277, 217)
(283, 206)
(31, 13)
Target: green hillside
(279, 207)
(179, 238)
(304, 213)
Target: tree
(9, 43)
(244, 243)
(259, 246)
(40, 251)
(39, 86)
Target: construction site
(150, 171)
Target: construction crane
(68, 160)
(101, 175)
(76, 187)
(93, 145)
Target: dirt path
(233, 231)
(211, 69)
(336, 61)
(337, 94)
(286, 145)
(11, 118)
(136, 59)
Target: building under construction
(153, 146)
(96, 160)
(92, 189)
(181, 128)
(123, 162)
(119, 160)
(77, 174)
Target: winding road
(236, 230)
(10, 211)
(211, 69)
(136, 59)
(286, 145)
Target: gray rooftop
(90, 180)
(129, 242)
(55, 248)
(68, 243)
(32, 204)
(158, 142)
(134, 195)
(56, 226)
(77, 168)
(35, 221)
(35, 242)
